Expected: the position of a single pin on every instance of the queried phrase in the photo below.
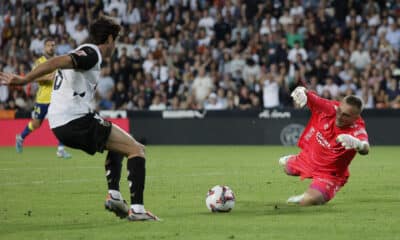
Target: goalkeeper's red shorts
(326, 184)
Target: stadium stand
(215, 54)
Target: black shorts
(88, 133)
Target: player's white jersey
(73, 91)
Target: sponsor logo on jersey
(321, 140)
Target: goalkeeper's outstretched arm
(350, 142)
(301, 96)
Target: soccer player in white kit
(74, 122)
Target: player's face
(345, 115)
(50, 48)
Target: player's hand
(349, 142)
(10, 79)
(299, 96)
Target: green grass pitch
(43, 197)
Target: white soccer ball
(220, 199)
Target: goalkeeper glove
(350, 142)
(299, 96)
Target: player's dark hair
(101, 28)
(354, 101)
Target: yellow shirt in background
(43, 94)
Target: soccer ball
(220, 199)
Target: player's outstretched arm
(46, 78)
(350, 142)
(64, 61)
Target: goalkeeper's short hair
(355, 102)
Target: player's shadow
(279, 208)
(259, 208)
(10, 228)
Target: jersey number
(58, 80)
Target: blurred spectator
(348, 84)
(71, 19)
(80, 33)
(202, 85)
(207, 22)
(106, 83)
(251, 70)
(212, 103)
(244, 98)
(37, 44)
(64, 46)
(360, 57)
(270, 92)
(153, 42)
(221, 28)
(250, 53)
(157, 104)
(171, 84)
(331, 88)
(292, 56)
(286, 19)
(120, 97)
(393, 36)
(393, 91)
(174, 103)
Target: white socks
(115, 194)
(283, 160)
(296, 199)
(138, 208)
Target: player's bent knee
(35, 124)
(138, 150)
(142, 150)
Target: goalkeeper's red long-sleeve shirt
(323, 155)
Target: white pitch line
(40, 182)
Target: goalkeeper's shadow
(281, 208)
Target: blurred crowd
(215, 54)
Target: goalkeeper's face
(346, 114)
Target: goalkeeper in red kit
(331, 139)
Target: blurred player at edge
(333, 136)
(75, 123)
(42, 102)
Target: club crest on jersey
(326, 126)
(81, 53)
